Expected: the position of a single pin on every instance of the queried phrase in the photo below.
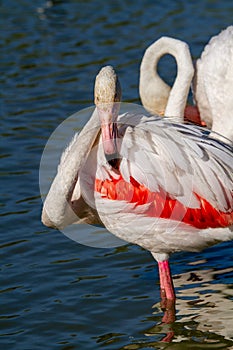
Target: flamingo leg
(167, 291)
(166, 283)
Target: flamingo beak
(108, 114)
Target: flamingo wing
(176, 164)
(181, 160)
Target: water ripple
(55, 293)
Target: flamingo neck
(155, 94)
(61, 191)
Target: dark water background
(55, 293)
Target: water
(55, 293)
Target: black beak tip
(113, 159)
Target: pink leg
(166, 283)
(167, 293)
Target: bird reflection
(204, 309)
(42, 10)
(209, 305)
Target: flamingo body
(161, 197)
(213, 83)
(156, 182)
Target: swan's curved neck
(155, 94)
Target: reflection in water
(49, 58)
(204, 312)
(210, 306)
(42, 9)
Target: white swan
(157, 96)
(169, 190)
(213, 83)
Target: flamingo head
(107, 97)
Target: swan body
(157, 96)
(213, 83)
(152, 181)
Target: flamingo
(153, 90)
(152, 181)
(72, 208)
(213, 83)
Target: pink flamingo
(154, 91)
(213, 83)
(152, 181)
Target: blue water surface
(56, 293)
